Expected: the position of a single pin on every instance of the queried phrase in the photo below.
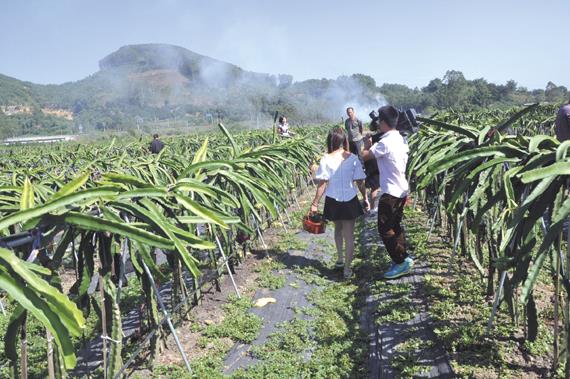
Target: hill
(142, 83)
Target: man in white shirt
(391, 154)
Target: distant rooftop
(38, 139)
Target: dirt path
(402, 341)
(292, 296)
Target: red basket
(314, 223)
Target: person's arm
(320, 191)
(366, 153)
(377, 150)
(362, 188)
(360, 127)
(322, 175)
(358, 177)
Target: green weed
(238, 323)
(269, 277)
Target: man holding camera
(391, 154)
(354, 132)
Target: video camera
(407, 122)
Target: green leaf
(200, 210)
(480, 152)
(203, 220)
(200, 155)
(96, 224)
(71, 317)
(160, 219)
(34, 304)
(466, 131)
(562, 150)
(52, 205)
(558, 220)
(27, 198)
(537, 141)
(192, 185)
(72, 186)
(501, 127)
(207, 166)
(235, 147)
(125, 179)
(143, 192)
(528, 285)
(11, 334)
(558, 169)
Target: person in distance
(283, 128)
(563, 123)
(156, 145)
(353, 127)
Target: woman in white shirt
(338, 172)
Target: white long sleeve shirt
(340, 174)
(391, 153)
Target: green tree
(482, 95)
(554, 93)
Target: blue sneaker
(408, 259)
(400, 269)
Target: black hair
(281, 118)
(389, 115)
(155, 135)
(336, 139)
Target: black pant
(356, 147)
(390, 213)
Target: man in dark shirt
(156, 145)
(563, 123)
(354, 132)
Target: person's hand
(314, 208)
(366, 204)
(367, 143)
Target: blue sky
(407, 41)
